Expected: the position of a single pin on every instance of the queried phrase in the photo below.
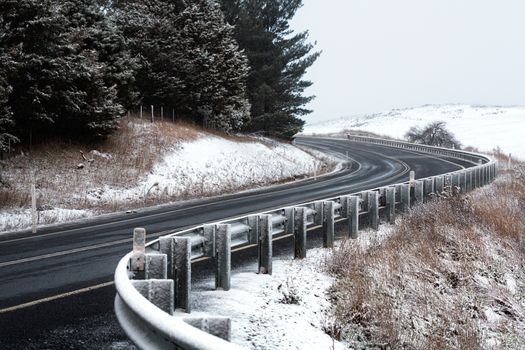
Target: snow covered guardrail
(153, 282)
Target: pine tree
(60, 84)
(6, 116)
(215, 68)
(189, 60)
(278, 60)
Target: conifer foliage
(190, 60)
(278, 59)
(73, 67)
(61, 82)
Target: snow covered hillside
(142, 165)
(478, 126)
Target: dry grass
(119, 161)
(451, 275)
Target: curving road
(65, 261)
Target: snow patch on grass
(287, 310)
(212, 165)
(16, 218)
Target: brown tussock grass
(430, 284)
(133, 150)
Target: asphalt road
(64, 274)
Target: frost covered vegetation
(144, 164)
(451, 274)
(72, 68)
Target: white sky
(383, 54)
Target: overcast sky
(383, 54)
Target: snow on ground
(206, 166)
(21, 218)
(212, 165)
(286, 310)
(478, 126)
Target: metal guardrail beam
(149, 327)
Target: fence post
(391, 204)
(223, 257)
(353, 217)
(161, 113)
(173, 115)
(182, 259)
(33, 208)
(265, 245)
(300, 233)
(140, 112)
(373, 209)
(328, 224)
(152, 115)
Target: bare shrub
(433, 134)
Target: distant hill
(483, 127)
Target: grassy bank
(450, 274)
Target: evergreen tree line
(73, 67)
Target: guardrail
(153, 282)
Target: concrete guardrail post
(391, 204)
(300, 233)
(353, 216)
(223, 257)
(138, 259)
(456, 182)
(318, 218)
(345, 206)
(253, 222)
(156, 266)
(182, 273)
(439, 183)
(217, 326)
(405, 197)
(265, 245)
(289, 225)
(373, 209)
(328, 224)
(418, 191)
(166, 246)
(428, 189)
(463, 181)
(210, 248)
(158, 292)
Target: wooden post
(173, 114)
(33, 208)
(140, 112)
(152, 115)
(161, 113)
